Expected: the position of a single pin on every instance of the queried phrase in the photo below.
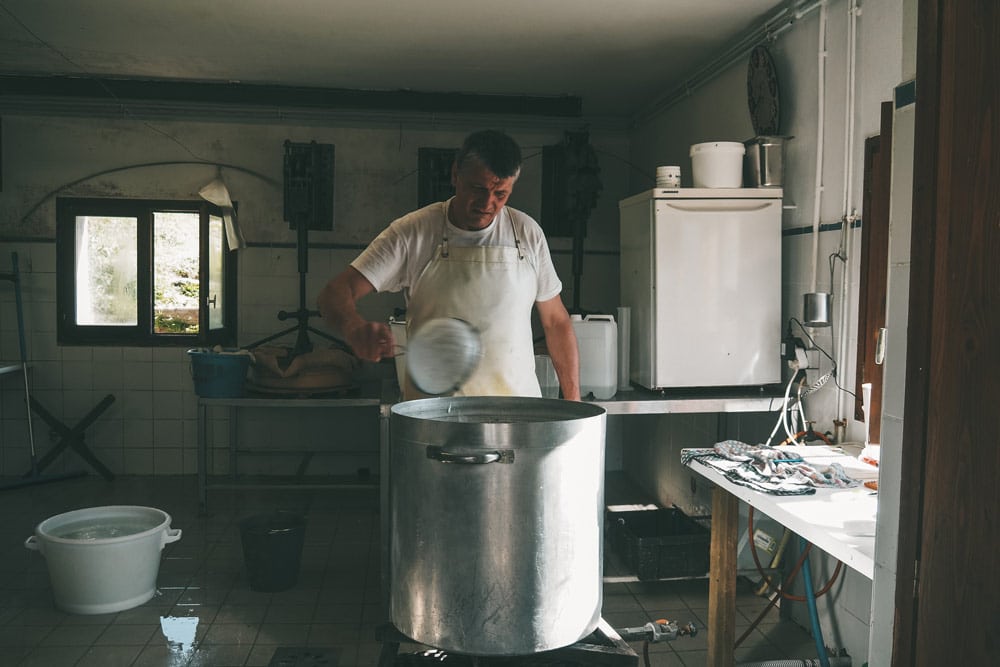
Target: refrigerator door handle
(719, 207)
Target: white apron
(492, 288)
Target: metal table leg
(384, 500)
(73, 437)
(202, 458)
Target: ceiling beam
(265, 95)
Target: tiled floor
(205, 613)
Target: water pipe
(820, 126)
(817, 631)
(853, 11)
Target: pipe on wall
(853, 11)
(820, 122)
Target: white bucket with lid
(103, 559)
(717, 164)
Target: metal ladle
(442, 354)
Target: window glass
(143, 272)
(106, 270)
(175, 272)
(216, 256)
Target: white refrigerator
(701, 273)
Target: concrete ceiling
(615, 55)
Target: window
(139, 272)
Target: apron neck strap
(444, 231)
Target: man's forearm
(337, 306)
(561, 342)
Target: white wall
(718, 111)
(151, 427)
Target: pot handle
(33, 544)
(498, 456)
(170, 535)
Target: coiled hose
(802, 563)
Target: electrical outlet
(788, 346)
(812, 358)
(800, 358)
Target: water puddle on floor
(180, 632)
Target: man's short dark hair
(496, 150)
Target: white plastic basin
(103, 559)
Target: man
(471, 257)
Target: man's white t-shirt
(397, 256)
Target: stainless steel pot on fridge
(496, 513)
(764, 166)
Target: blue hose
(817, 631)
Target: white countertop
(841, 522)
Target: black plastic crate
(661, 543)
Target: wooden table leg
(722, 579)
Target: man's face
(479, 195)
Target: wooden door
(874, 269)
(947, 592)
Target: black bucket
(272, 549)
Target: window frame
(68, 332)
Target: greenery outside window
(145, 273)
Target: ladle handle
(498, 456)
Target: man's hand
(371, 341)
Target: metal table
(372, 395)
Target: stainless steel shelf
(641, 401)
(272, 402)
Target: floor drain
(294, 656)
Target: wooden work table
(841, 522)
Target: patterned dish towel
(769, 469)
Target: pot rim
(443, 409)
(95, 512)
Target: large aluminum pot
(496, 511)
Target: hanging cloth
(217, 193)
